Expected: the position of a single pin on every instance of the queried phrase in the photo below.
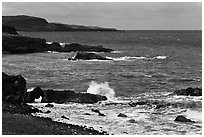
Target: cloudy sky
(129, 16)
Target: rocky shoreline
(17, 120)
(13, 43)
(17, 112)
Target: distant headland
(30, 23)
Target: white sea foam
(49, 42)
(193, 114)
(160, 57)
(30, 89)
(117, 51)
(38, 100)
(135, 58)
(101, 89)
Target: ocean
(146, 65)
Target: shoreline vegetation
(16, 114)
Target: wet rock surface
(49, 96)
(183, 119)
(189, 92)
(88, 56)
(122, 115)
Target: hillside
(29, 23)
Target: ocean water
(146, 65)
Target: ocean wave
(135, 58)
(117, 51)
(101, 89)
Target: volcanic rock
(54, 46)
(15, 44)
(9, 29)
(88, 56)
(183, 119)
(13, 88)
(132, 121)
(189, 92)
(65, 117)
(49, 96)
(122, 115)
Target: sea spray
(101, 89)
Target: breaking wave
(101, 89)
(135, 58)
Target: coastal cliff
(29, 23)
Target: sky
(123, 16)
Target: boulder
(189, 92)
(183, 119)
(95, 110)
(65, 117)
(134, 104)
(132, 121)
(122, 115)
(101, 114)
(73, 47)
(15, 44)
(13, 88)
(9, 29)
(35, 94)
(88, 56)
(54, 46)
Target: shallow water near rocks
(141, 119)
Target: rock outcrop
(87, 56)
(13, 89)
(15, 44)
(9, 29)
(189, 92)
(49, 96)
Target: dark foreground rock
(15, 44)
(183, 119)
(87, 56)
(189, 92)
(13, 88)
(9, 29)
(49, 96)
